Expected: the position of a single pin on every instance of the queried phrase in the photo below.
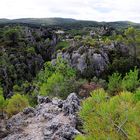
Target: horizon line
(68, 18)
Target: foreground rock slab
(51, 120)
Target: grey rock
(28, 110)
(66, 132)
(41, 100)
(71, 105)
(57, 102)
(48, 122)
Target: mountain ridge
(66, 21)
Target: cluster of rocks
(54, 119)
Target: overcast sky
(99, 10)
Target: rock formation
(92, 61)
(51, 120)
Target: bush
(114, 84)
(30, 50)
(62, 44)
(43, 75)
(137, 95)
(63, 68)
(57, 80)
(2, 105)
(59, 86)
(52, 87)
(130, 81)
(110, 118)
(1, 91)
(100, 82)
(16, 104)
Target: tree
(58, 79)
(12, 35)
(133, 40)
(130, 82)
(111, 118)
(114, 84)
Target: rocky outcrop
(92, 61)
(51, 120)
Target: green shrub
(121, 64)
(30, 50)
(77, 37)
(17, 88)
(63, 67)
(61, 45)
(114, 84)
(71, 85)
(1, 91)
(3, 104)
(130, 81)
(100, 82)
(52, 87)
(111, 118)
(43, 75)
(16, 104)
(32, 98)
(137, 95)
(12, 35)
(59, 86)
(107, 41)
(55, 80)
(89, 41)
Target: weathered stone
(28, 110)
(71, 105)
(49, 121)
(57, 102)
(66, 132)
(41, 100)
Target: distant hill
(67, 22)
(41, 21)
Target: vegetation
(129, 82)
(2, 105)
(133, 40)
(62, 45)
(31, 64)
(58, 80)
(114, 85)
(107, 117)
(20, 57)
(16, 104)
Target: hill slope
(66, 21)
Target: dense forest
(49, 58)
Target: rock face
(92, 61)
(51, 120)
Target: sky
(97, 10)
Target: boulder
(66, 132)
(41, 100)
(28, 110)
(71, 105)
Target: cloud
(100, 10)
